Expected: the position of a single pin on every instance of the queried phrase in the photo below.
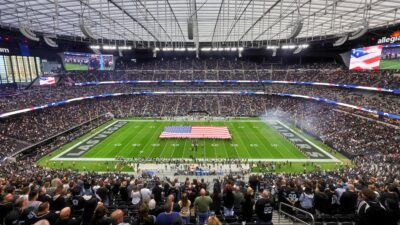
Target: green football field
(252, 139)
(389, 64)
(74, 66)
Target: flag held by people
(196, 132)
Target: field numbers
(215, 145)
(253, 145)
(234, 145)
(155, 145)
(117, 145)
(136, 145)
(175, 145)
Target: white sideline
(183, 121)
(199, 160)
(310, 142)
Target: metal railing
(280, 212)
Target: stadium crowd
(44, 95)
(346, 132)
(216, 69)
(367, 193)
(224, 69)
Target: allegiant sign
(394, 37)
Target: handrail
(293, 217)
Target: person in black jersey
(16, 215)
(264, 208)
(43, 213)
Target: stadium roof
(217, 21)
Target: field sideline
(253, 140)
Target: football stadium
(200, 112)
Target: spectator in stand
(264, 208)
(247, 205)
(16, 216)
(99, 216)
(184, 205)
(216, 202)
(136, 198)
(168, 217)
(348, 200)
(370, 211)
(66, 218)
(43, 213)
(202, 206)
(306, 199)
(33, 203)
(6, 206)
(145, 193)
(213, 220)
(117, 217)
(144, 217)
(228, 200)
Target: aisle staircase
(282, 220)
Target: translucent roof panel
(213, 20)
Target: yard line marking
(148, 142)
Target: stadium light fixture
(167, 49)
(303, 46)
(206, 49)
(297, 50)
(240, 49)
(357, 34)
(86, 30)
(95, 47)
(50, 42)
(124, 47)
(180, 49)
(28, 33)
(341, 41)
(156, 49)
(109, 47)
(214, 49)
(191, 49)
(220, 49)
(288, 46)
(272, 47)
(233, 49)
(296, 30)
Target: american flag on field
(367, 58)
(47, 80)
(210, 132)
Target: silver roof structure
(215, 21)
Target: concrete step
(283, 220)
